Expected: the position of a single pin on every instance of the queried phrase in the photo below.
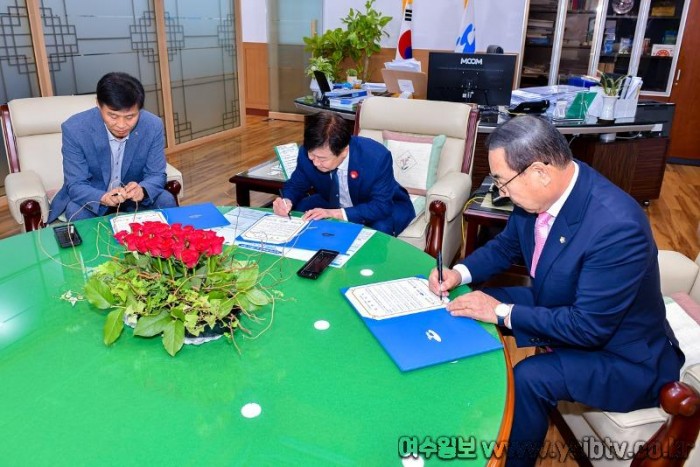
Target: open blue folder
(199, 216)
(430, 337)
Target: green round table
(326, 397)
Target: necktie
(541, 232)
(334, 198)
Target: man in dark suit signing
(595, 297)
(352, 176)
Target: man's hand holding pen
(282, 207)
(450, 280)
(116, 196)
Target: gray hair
(527, 139)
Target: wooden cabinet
(637, 165)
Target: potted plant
(360, 39)
(611, 84)
(351, 75)
(364, 34)
(332, 46)
(323, 65)
(611, 90)
(175, 281)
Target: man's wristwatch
(502, 312)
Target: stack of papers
(409, 64)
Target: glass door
(577, 38)
(539, 42)
(660, 44)
(290, 22)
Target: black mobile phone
(318, 262)
(67, 235)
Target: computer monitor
(483, 79)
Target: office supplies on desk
(274, 230)
(412, 325)
(199, 216)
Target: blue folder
(430, 337)
(199, 216)
(330, 235)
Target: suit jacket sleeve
(77, 176)
(301, 180)
(605, 286)
(500, 253)
(152, 177)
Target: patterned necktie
(541, 232)
(334, 198)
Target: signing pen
(439, 268)
(289, 213)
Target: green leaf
(247, 277)
(257, 297)
(99, 294)
(174, 336)
(113, 326)
(149, 326)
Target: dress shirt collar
(558, 204)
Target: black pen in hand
(439, 268)
(289, 213)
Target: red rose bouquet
(173, 280)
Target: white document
(274, 230)
(241, 219)
(394, 298)
(122, 222)
(287, 155)
(406, 85)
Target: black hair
(527, 139)
(326, 128)
(120, 91)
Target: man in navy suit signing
(595, 297)
(352, 177)
(113, 155)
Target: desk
(327, 397)
(262, 178)
(636, 165)
(477, 216)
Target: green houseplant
(610, 84)
(175, 281)
(365, 31)
(321, 64)
(360, 39)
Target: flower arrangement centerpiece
(175, 281)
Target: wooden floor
(674, 216)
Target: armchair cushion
(415, 159)
(23, 186)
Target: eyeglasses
(503, 186)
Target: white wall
(254, 20)
(435, 22)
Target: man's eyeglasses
(502, 186)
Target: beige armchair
(439, 226)
(612, 438)
(32, 131)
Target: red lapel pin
(354, 174)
